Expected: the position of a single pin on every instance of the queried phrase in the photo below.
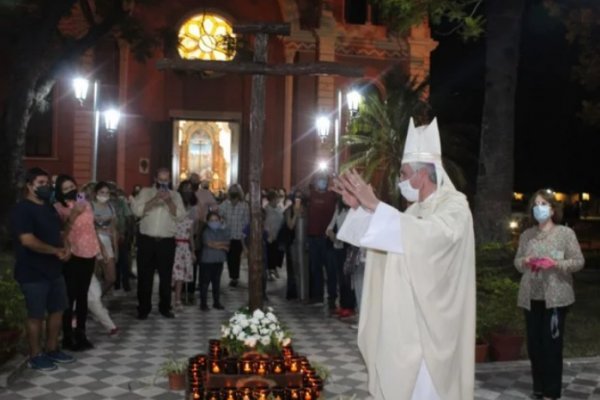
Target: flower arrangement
(258, 331)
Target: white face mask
(408, 192)
(102, 199)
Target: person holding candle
(417, 322)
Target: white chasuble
(417, 322)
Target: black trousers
(292, 287)
(233, 259)
(154, 254)
(78, 275)
(347, 297)
(274, 256)
(545, 347)
(210, 274)
(123, 266)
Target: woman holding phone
(80, 234)
(547, 257)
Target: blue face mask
(214, 225)
(541, 213)
(322, 184)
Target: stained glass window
(206, 37)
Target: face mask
(102, 199)
(541, 213)
(408, 192)
(162, 185)
(43, 192)
(234, 195)
(214, 225)
(70, 195)
(322, 184)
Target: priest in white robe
(417, 321)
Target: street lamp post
(111, 116)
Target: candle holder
(229, 394)
(308, 394)
(231, 366)
(278, 365)
(293, 393)
(201, 360)
(245, 394)
(245, 367)
(278, 393)
(294, 365)
(197, 394)
(213, 394)
(216, 367)
(261, 394)
(261, 367)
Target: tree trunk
(16, 116)
(496, 154)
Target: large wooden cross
(259, 69)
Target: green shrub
(12, 303)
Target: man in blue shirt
(38, 269)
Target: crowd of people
(417, 326)
(98, 240)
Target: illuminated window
(206, 37)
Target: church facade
(199, 122)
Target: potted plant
(174, 370)
(502, 319)
(12, 314)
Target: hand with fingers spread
(363, 192)
(347, 197)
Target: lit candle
(294, 366)
(247, 368)
(261, 368)
(277, 369)
(215, 368)
(230, 395)
(308, 394)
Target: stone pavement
(125, 367)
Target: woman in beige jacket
(547, 257)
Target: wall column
(287, 122)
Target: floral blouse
(554, 285)
(82, 236)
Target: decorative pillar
(121, 133)
(287, 122)
(326, 95)
(420, 46)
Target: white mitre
(423, 145)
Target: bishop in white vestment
(417, 321)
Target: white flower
(286, 341)
(250, 341)
(271, 317)
(241, 336)
(264, 321)
(226, 331)
(253, 328)
(254, 321)
(279, 335)
(258, 314)
(244, 323)
(265, 341)
(236, 329)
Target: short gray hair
(431, 173)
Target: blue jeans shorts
(45, 297)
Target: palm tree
(376, 136)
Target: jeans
(123, 267)
(337, 258)
(318, 255)
(210, 274)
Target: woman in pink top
(80, 234)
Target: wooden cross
(259, 69)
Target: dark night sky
(552, 147)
